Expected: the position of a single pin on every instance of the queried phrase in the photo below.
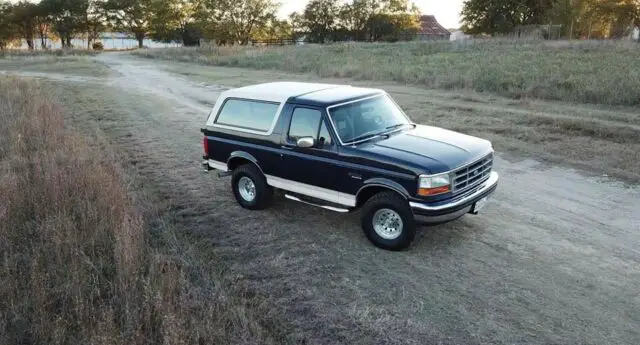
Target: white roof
(277, 91)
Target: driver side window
(305, 122)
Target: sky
(447, 12)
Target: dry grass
(586, 72)
(77, 263)
(48, 52)
(72, 65)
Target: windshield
(367, 118)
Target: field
(552, 261)
(586, 72)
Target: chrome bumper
(455, 206)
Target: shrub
(98, 46)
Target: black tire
(392, 201)
(263, 192)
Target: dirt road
(554, 259)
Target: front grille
(472, 174)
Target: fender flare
(243, 155)
(384, 183)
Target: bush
(98, 46)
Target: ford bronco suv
(346, 148)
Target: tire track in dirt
(554, 258)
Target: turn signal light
(429, 185)
(433, 191)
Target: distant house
(430, 29)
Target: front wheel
(250, 188)
(388, 222)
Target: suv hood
(428, 148)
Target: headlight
(434, 184)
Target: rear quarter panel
(223, 143)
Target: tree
(43, 25)
(8, 29)
(68, 17)
(596, 18)
(356, 17)
(320, 17)
(131, 16)
(616, 17)
(502, 16)
(297, 25)
(274, 29)
(24, 17)
(393, 27)
(95, 20)
(234, 21)
(366, 20)
(242, 17)
(174, 21)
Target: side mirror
(306, 142)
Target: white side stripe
(312, 191)
(301, 188)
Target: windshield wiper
(368, 135)
(398, 126)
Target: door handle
(355, 176)
(287, 147)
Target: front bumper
(456, 207)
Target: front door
(310, 171)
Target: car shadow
(347, 225)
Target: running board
(330, 208)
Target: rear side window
(248, 114)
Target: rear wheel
(250, 188)
(388, 222)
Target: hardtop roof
(312, 94)
(278, 91)
(335, 96)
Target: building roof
(431, 27)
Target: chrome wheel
(387, 224)
(247, 188)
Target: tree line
(187, 21)
(576, 18)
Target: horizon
(447, 13)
